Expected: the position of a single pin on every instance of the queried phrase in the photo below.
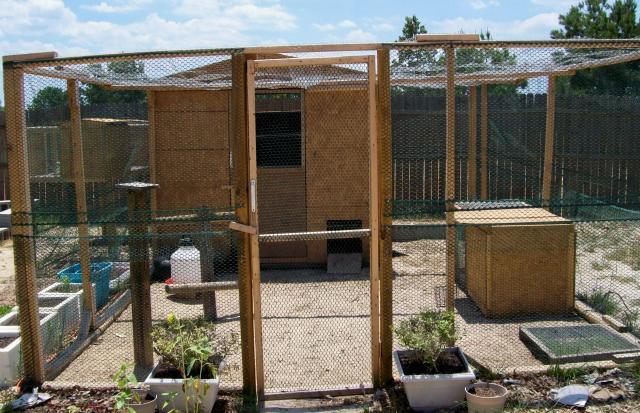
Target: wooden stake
(472, 162)
(137, 201)
(374, 218)
(547, 174)
(253, 221)
(21, 228)
(484, 142)
(239, 95)
(75, 129)
(206, 265)
(386, 187)
(450, 183)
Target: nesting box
(519, 261)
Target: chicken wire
(529, 249)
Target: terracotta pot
(486, 404)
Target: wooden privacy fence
(595, 151)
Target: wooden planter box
(519, 261)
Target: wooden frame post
(241, 149)
(138, 204)
(21, 226)
(374, 224)
(450, 168)
(253, 221)
(153, 170)
(547, 174)
(472, 161)
(386, 211)
(75, 130)
(484, 141)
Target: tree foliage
(48, 98)
(131, 70)
(601, 19)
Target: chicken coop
(314, 195)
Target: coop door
(281, 171)
(312, 149)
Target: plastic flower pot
(148, 404)
(478, 402)
(429, 392)
(163, 387)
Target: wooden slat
(238, 115)
(547, 174)
(29, 57)
(81, 198)
(461, 37)
(267, 63)
(253, 221)
(315, 235)
(153, 175)
(345, 47)
(386, 188)
(450, 185)
(22, 230)
(472, 162)
(374, 218)
(236, 226)
(484, 141)
(201, 287)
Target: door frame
(374, 203)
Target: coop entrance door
(281, 171)
(313, 162)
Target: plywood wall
(192, 149)
(337, 161)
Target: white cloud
(555, 5)
(326, 27)
(483, 4)
(359, 36)
(535, 27)
(117, 6)
(347, 24)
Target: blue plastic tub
(100, 275)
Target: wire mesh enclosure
(291, 204)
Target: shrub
(428, 334)
(192, 346)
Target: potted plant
(191, 356)
(485, 397)
(433, 372)
(132, 397)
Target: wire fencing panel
(312, 135)
(149, 125)
(520, 270)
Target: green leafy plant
(65, 284)
(193, 348)
(428, 334)
(601, 301)
(130, 391)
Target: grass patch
(5, 309)
(566, 374)
(600, 265)
(600, 301)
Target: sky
(81, 27)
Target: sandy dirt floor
(7, 274)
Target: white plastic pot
(428, 392)
(162, 387)
(9, 359)
(484, 404)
